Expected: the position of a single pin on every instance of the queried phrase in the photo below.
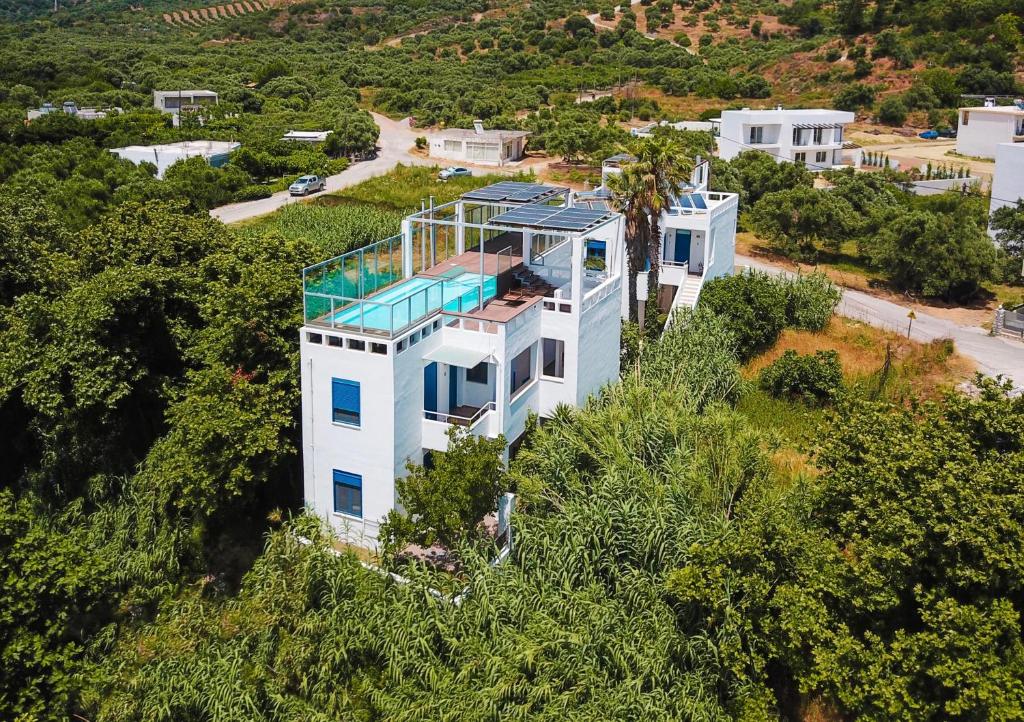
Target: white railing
(602, 292)
(675, 264)
(467, 421)
(677, 301)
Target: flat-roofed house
(981, 130)
(478, 146)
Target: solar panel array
(552, 217)
(512, 192)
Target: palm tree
(628, 195)
(641, 192)
(664, 166)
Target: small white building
(174, 101)
(307, 136)
(706, 126)
(813, 137)
(69, 107)
(981, 130)
(476, 145)
(1008, 177)
(504, 303)
(216, 153)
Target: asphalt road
(396, 138)
(994, 355)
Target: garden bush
(810, 302)
(753, 306)
(816, 379)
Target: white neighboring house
(813, 137)
(70, 108)
(981, 130)
(708, 126)
(476, 145)
(1008, 177)
(215, 152)
(502, 303)
(174, 101)
(698, 234)
(307, 136)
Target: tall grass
(335, 229)
(404, 187)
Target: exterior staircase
(686, 296)
(530, 284)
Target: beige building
(476, 145)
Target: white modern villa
(174, 101)
(981, 130)
(813, 137)
(505, 302)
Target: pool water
(415, 298)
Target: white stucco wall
(1008, 178)
(983, 131)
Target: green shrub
(892, 111)
(816, 379)
(811, 301)
(753, 306)
(252, 193)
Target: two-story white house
(812, 137)
(698, 230)
(981, 130)
(504, 302)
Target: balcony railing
(457, 420)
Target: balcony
(435, 425)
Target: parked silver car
(454, 172)
(307, 184)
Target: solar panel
(562, 219)
(512, 192)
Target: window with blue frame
(345, 402)
(595, 257)
(348, 493)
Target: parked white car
(307, 184)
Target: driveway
(396, 138)
(994, 355)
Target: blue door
(682, 246)
(453, 388)
(430, 387)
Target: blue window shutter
(348, 493)
(345, 407)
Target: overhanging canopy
(465, 358)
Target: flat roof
(183, 92)
(514, 192)
(538, 215)
(471, 133)
(185, 146)
(1008, 109)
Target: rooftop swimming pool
(413, 299)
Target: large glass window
(453, 146)
(348, 493)
(756, 135)
(553, 363)
(477, 374)
(522, 370)
(345, 402)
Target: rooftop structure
(216, 153)
(476, 145)
(307, 136)
(504, 302)
(174, 101)
(813, 137)
(70, 108)
(981, 130)
(1008, 177)
(707, 126)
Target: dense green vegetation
(666, 567)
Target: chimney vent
(478, 127)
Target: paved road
(994, 355)
(396, 138)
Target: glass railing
(402, 305)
